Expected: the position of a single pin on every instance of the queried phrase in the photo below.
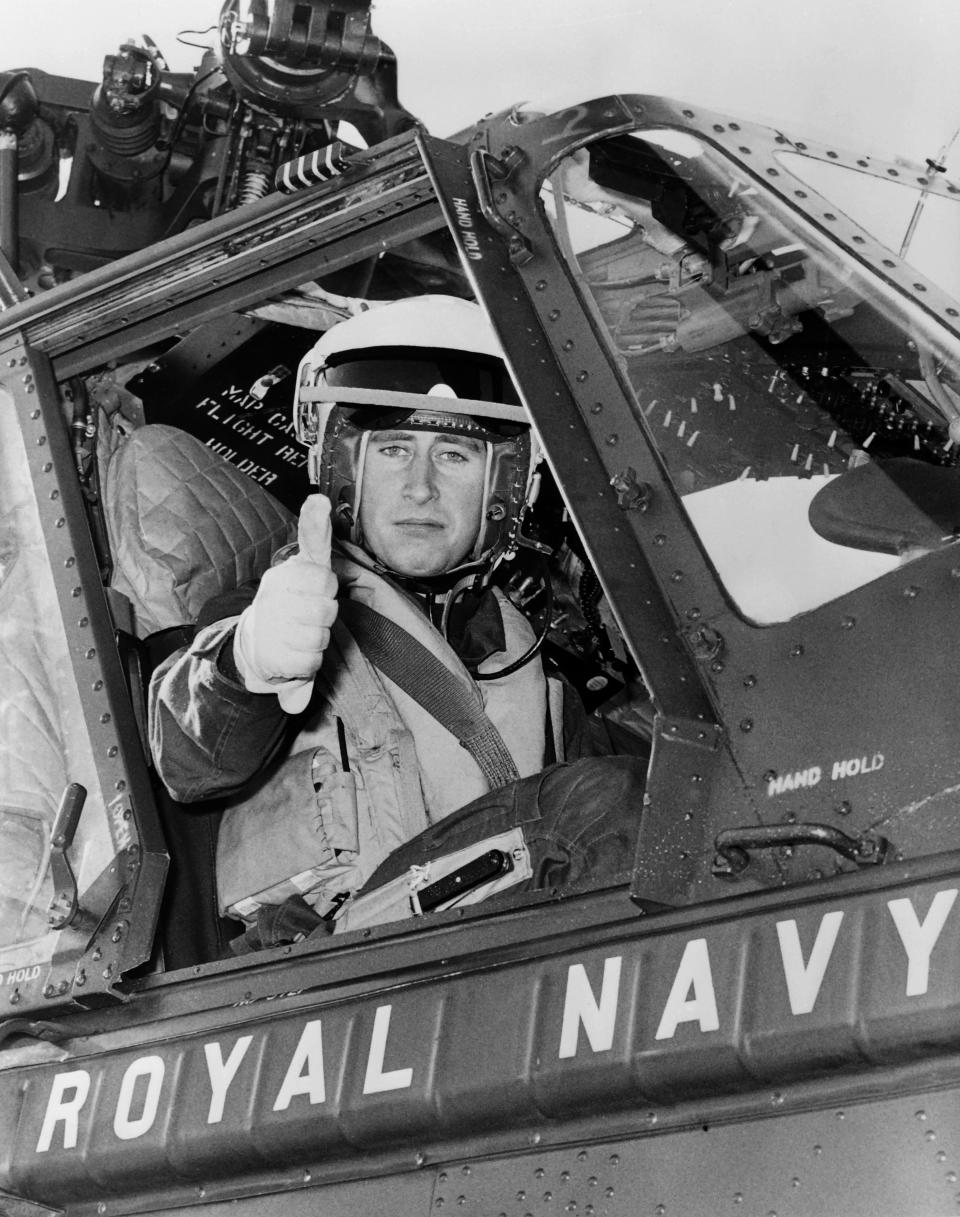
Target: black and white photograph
(479, 608)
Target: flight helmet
(425, 363)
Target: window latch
(64, 904)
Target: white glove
(281, 637)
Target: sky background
(879, 76)
(873, 77)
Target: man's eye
(391, 450)
(453, 456)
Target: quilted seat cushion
(184, 525)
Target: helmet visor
(389, 389)
(478, 377)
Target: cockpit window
(901, 211)
(48, 909)
(767, 364)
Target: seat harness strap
(425, 678)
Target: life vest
(370, 767)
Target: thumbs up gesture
(281, 637)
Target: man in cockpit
(376, 707)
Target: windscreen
(900, 209)
(53, 894)
(807, 412)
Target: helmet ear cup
(339, 468)
(509, 481)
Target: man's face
(421, 499)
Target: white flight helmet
(426, 363)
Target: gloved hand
(280, 638)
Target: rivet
(746, 724)
(749, 682)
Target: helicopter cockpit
(750, 410)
